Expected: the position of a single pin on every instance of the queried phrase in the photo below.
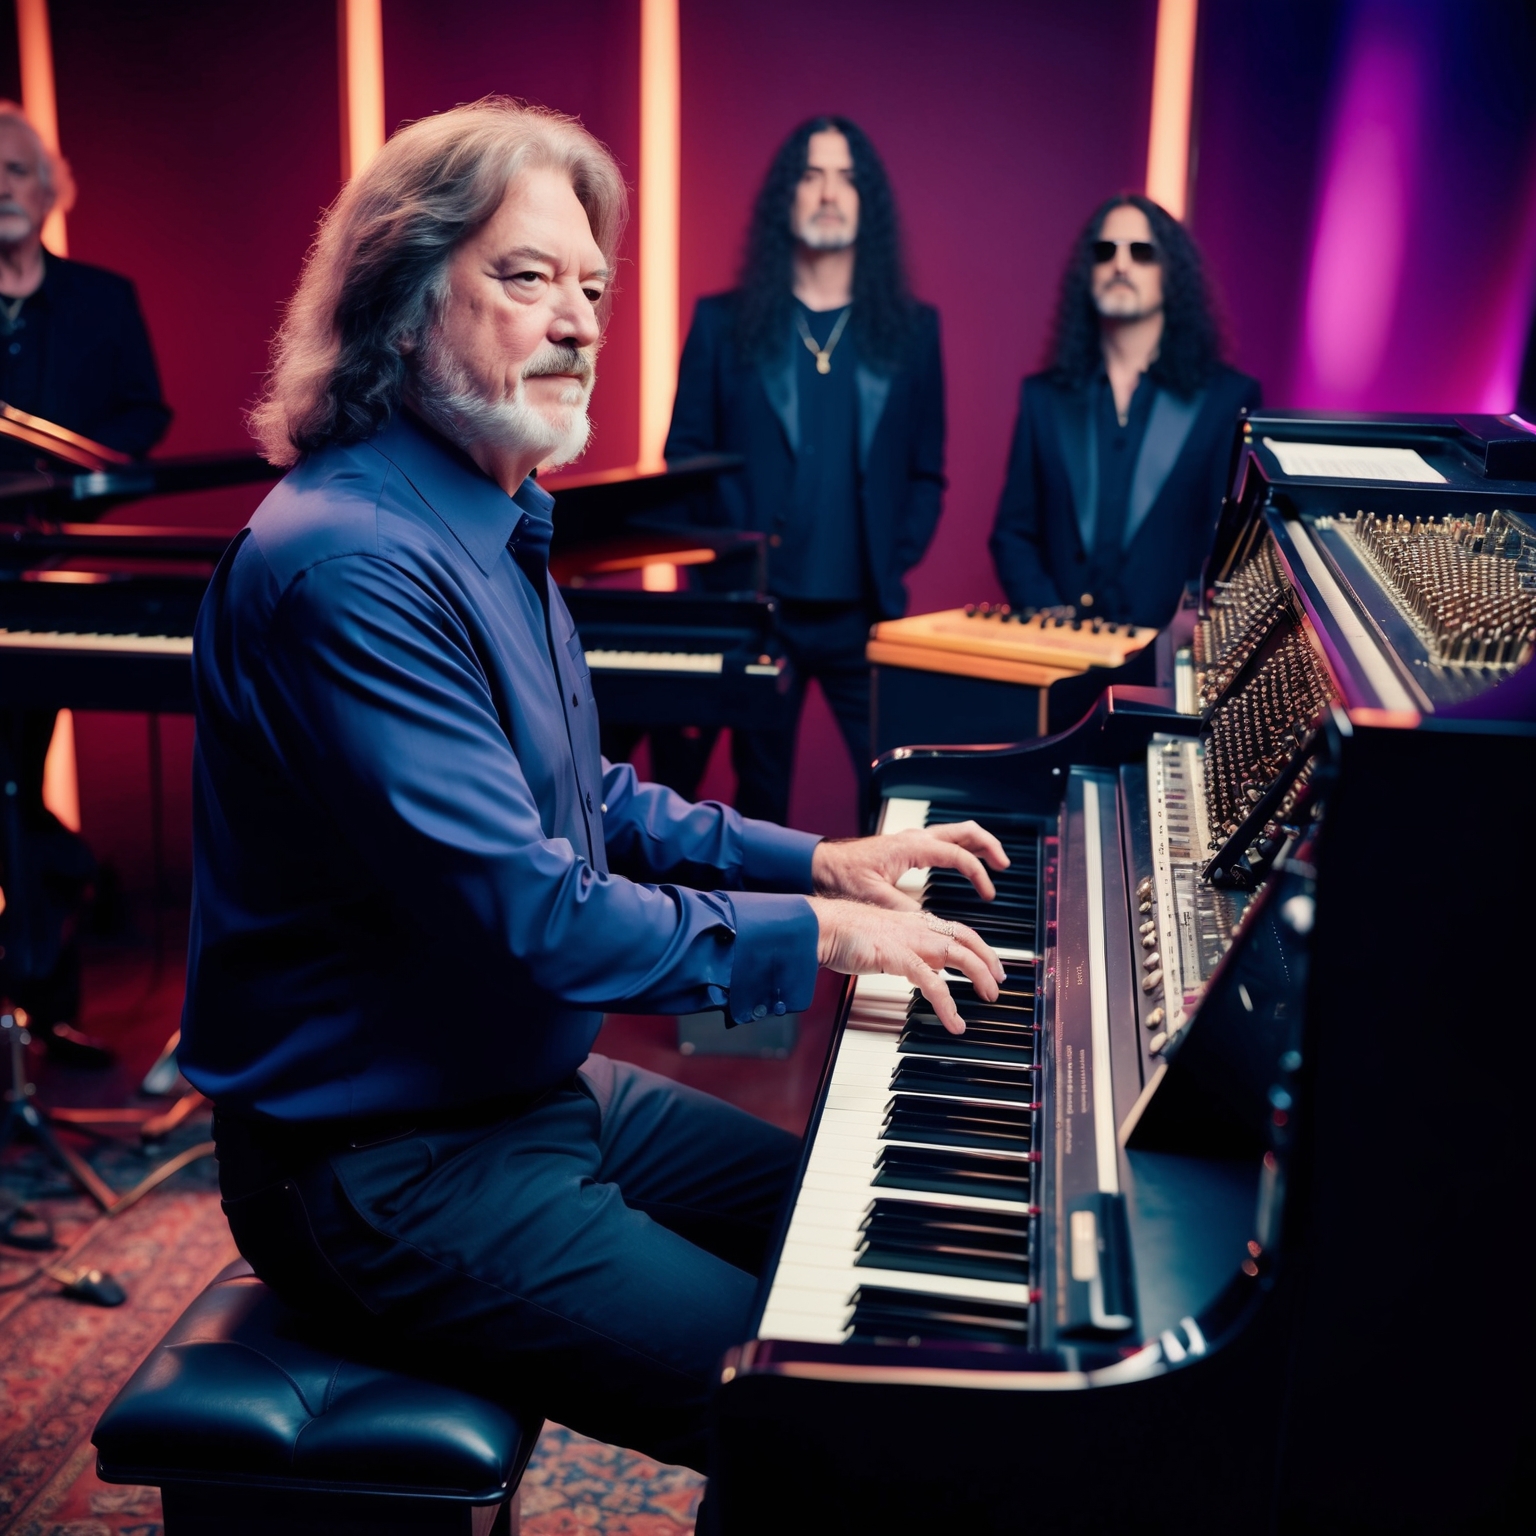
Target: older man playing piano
(418, 885)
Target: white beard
(816, 237)
(448, 398)
(1123, 303)
(15, 226)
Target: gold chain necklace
(823, 355)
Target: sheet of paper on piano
(1350, 461)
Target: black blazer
(99, 375)
(727, 405)
(1176, 490)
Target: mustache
(581, 362)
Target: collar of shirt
(42, 297)
(476, 511)
(1145, 384)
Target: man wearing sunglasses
(1120, 454)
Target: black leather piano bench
(251, 1426)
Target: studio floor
(61, 1361)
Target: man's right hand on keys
(859, 940)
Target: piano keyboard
(655, 661)
(125, 645)
(700, 662)
(915, 1214)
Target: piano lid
(608, 504)
(60, 442)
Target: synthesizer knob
(1144, 888)
(1151, 981)
(1149, 926)
(1155, 1019)
(1157, 1043)
(1148, 940)
(1152, 962)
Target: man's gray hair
(376, 276)
(52, 169)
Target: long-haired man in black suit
(824, 373)
(1120, 455)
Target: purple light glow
(1360, 239)
(1508, 317)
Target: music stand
(21, 1111)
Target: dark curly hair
(1191, 348)
(882, 302)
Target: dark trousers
(824, 641)
(588, 1258)
(44, 870)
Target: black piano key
(1004, 1127)
(912, 1224)
(1001, 1027)
(958, 1173)
(1019, 884)
(974, 1011)
(1016, 990)
(925, 1036)
(940, 1240)
(885, 1316)
(960, 1078)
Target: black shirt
(1118, 449)
(79, 355)
(821, 554)
(23, 343)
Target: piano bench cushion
(243, 1392)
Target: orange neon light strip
(660, 178)
(34, 42)
(1173, 89)
(362, 83)
(38, 100)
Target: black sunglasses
(1143, 252)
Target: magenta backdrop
(205, 137)
(1001, 127)
(438, 55)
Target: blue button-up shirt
(417, 883)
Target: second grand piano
(1198, 1227)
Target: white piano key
(901, 815)
(817, 1273)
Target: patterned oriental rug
(61, 1362)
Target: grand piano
(1208, 1223)
(99, 615)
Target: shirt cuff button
(760, 1010)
